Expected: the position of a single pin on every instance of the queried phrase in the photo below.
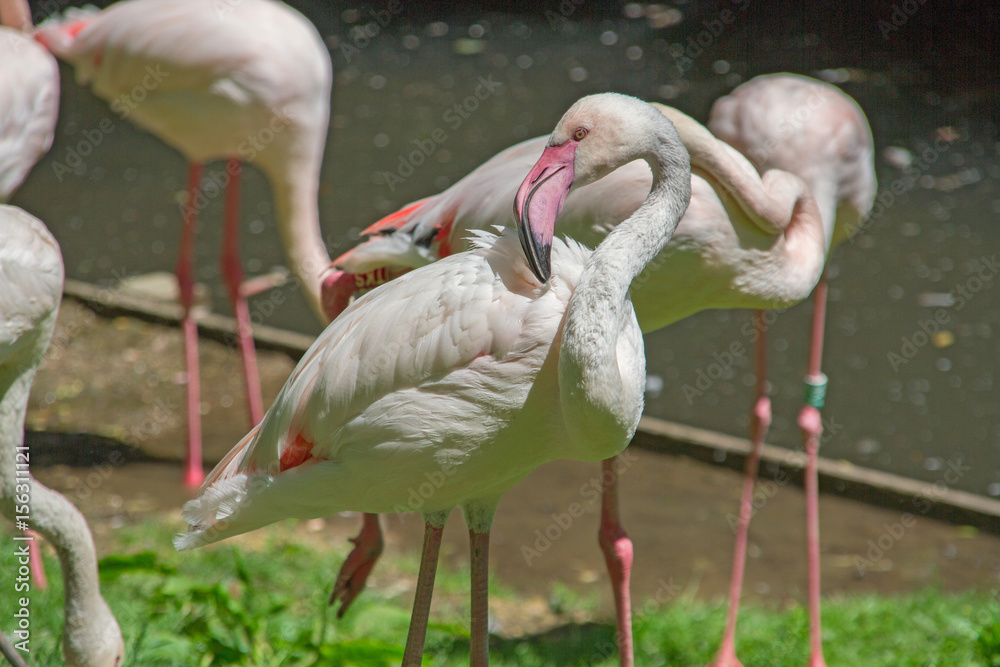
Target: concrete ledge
(783, 465)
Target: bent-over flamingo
(31, 279)
(483, 366)
(29, 109)
(816, 131)
(240, 81)
(744, 242)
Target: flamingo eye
(580, 133)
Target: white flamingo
(29, 109)
(31, 277)
(247, 80)
(473, 370)
(814, 130)
(744, 242)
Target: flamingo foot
(726, 657)
(816, 660)
(194, 474)
(353, 575)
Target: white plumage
(29, 106)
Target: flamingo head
(336, 289)
(599, 134)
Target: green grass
(266, 605)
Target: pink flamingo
(473, 370)
(744, 242)
(247, 80)
(29, 109)
(816, 131)
(31, 279)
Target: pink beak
(538, 203)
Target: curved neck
(595, 395)
(16, 14)
(296, 206)
(731, 171)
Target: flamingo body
(420, 383)
(738, 264)
(811, 129)
(204, 78)
(29, 106)
(243, 81)
(462, 376)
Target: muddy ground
(121, 380)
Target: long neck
(15, 14)
(297, 210)
(595, 395)
(91, 630)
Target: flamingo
(814, 130)
(29, 109)
(31, 277)
(472, 371)
(247, 81)
(744, 242)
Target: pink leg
(617, 548)
(425, 588)
(812, 426)
(35, 561)
(358, 565)
(479, 546)
(232, 273)
(193, 472)
(760, 420)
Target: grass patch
(264, 604)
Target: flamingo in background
(745, 242)
(474, 370)
(31, 279)
(814, 130)
(247, 80)
(29, 109)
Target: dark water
(113, 205)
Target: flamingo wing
(31, 277)
(29, 106)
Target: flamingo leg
(354, 572)
(35, 561)
(760, 420)
(194, 475)
(232, 273)
(617, 548)
(479, 547)
(812, 427)
(433, 528)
